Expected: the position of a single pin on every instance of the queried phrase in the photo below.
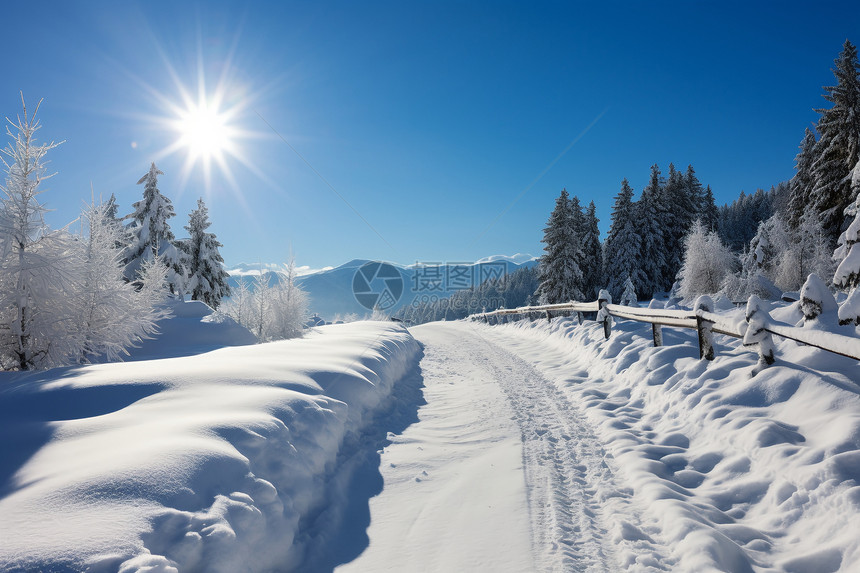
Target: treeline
(674, 238)
(508, 291)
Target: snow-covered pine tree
(696, 194)
(592, 254)
(37, 266)
(628, 297)
(560, 274)
(708, 212)
(801, 184)
(206, 277)
(680, 210)
(847, 254)
(838, 148)
(151, 235)
(707, 262)
(650, 225)
(621, 249)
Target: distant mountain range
(357, 286)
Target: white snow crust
(719, 470)
(215, 462)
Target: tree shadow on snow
(338, 533)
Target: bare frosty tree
(275, 309)
(36, 266)
(111, 315)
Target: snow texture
(710, 469)
(215, 462)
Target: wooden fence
(757, 330)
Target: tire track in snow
(563, 464)
(582, 513)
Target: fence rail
(757, 330)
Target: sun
(206, 125)
(204, 131)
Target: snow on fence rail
(757, 330)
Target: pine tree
(680, 209)
(621, 249)
(151, 236)
(651, 223)
(592, 254)
(708, 212)
(847, 254)
(838, 148)
(206, 279)
(560, 274)
(802, 182)
(628, 296)
(695, 192)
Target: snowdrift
(192, 328)
(733, 472)
(204, 463)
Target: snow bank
(733, 472)
(192, 328)
(205, 463)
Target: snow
(192, 328)
(729, 472)
(215, 462)
(529, 446)
(518, 259)
(454, 496)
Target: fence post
(579, 317)
(548, 316)
(656, 329)
(757, 320)
(657, 333)
(706, 337)
(603, 299)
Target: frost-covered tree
(806, 252)
(707, 262)
(62, 298)
(110, 315)
(621, 250)
(592, 254)
(273, 309)
(759, 264)
(560, 273)
(151, 236)
(838, 148)
(206, 278)
(36, 264)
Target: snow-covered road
(500, 471)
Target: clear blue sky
(429, 118)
